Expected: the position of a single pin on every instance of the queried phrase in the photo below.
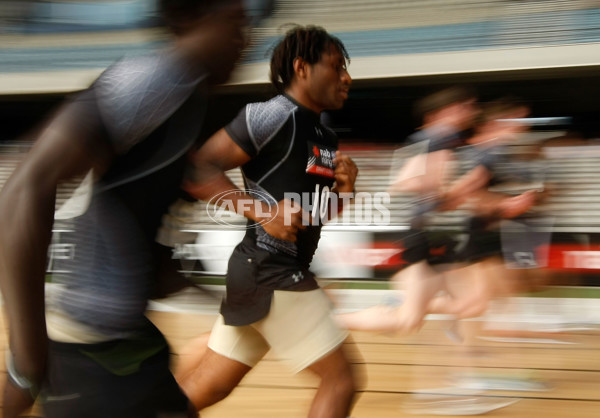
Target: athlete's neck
(302, 99)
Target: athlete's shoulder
(136, 94)
(265, 119)
(131, 77)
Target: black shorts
(444, 247)
(78, 386)
(484, 239)
(435, 247)
(252, 276)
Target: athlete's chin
(337, 104)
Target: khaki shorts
(299, 329)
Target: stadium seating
(369, 29)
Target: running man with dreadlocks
(273, 300)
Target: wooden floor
(398, 372)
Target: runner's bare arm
(424, 173)
(464, 187)
(500, 205)
(27, 202)
(208, 178)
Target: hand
(15, 400)
(288, 220)
(514, 206)
(24, 374)
(345, 173)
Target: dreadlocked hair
(306, 42)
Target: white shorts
(299, 329)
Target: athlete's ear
(300, 67)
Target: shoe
(498, 382)
(455, 404)
(453, 333)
